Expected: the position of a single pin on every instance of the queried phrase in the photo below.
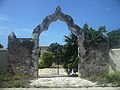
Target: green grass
(112, 78)
(13, 81)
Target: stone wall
(96, 61)
(3, 60)
(20, 54)
(43, 49)
(114, 60)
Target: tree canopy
(70, 52)
(46, 59)
(93, 36)
(1, 46)
(56, 49)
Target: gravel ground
(91, 88)
(61, 82)
(49, 78)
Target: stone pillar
(81, 52)
(11, 38)
(35, 53)
(95, 61)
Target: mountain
(114, 38)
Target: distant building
(43, 49)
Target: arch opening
(57, 38)
(56, 32)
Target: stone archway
(58, 14)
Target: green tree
(1, 46)
(70, 49)
(56, 49)
(70, 52)
(46, 59)
(92, 36)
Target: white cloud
(18, 31)
(3, 27)
(1, 33)
(3, 17)
(23, 32)
(44, 34)
(96, 5)
(4, 30)
(108, 9)
(93, 2)
(25, 29)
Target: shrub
(114, 78)
(46, 59)
(111, 79)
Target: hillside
(114, 37)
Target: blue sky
(22, 16)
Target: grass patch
(112, 79)
(13, 81)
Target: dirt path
(49, 80)
(91, 88)
(61, 82)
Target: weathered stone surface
(11, 36)
(3, 61)
(96, 61)
(114, 60)
(52, 18)
(20, 55)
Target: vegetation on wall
(114, 39)
(1, 46)
(112, 79)
(92, 36)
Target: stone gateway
(24, 52)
